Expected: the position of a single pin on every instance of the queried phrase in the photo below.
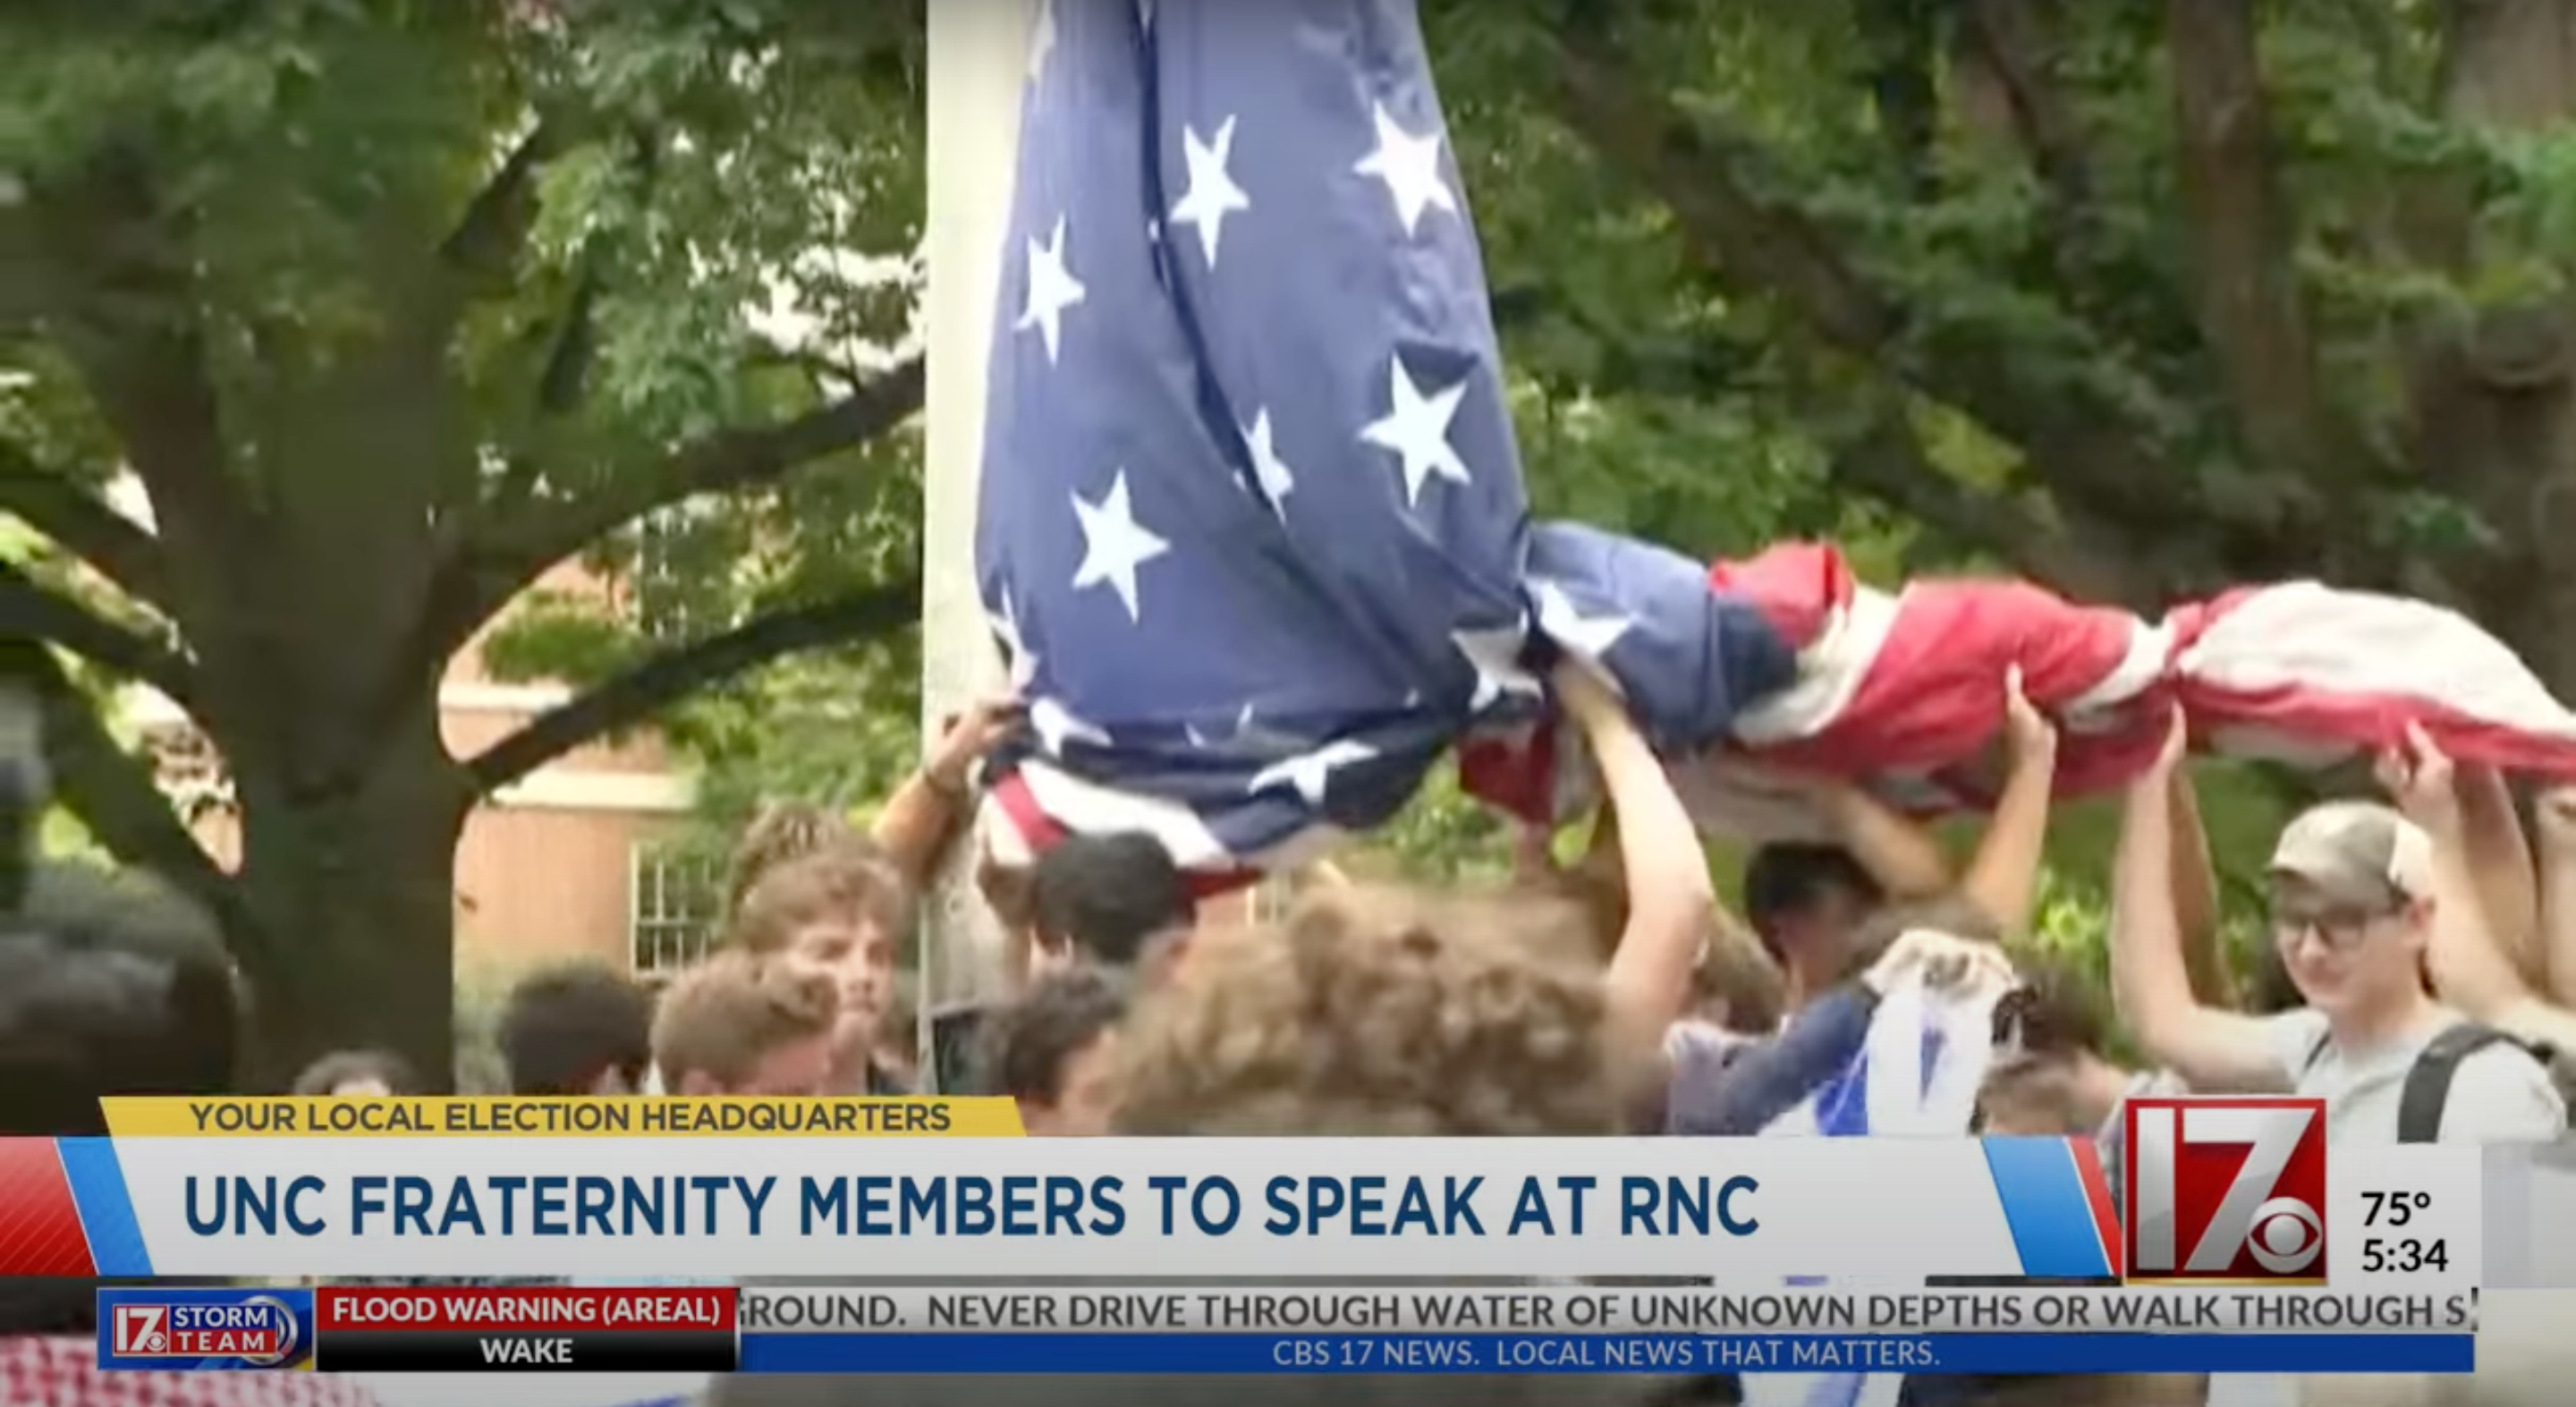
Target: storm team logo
(204, 1329)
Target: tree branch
(507, 555)
(485, 245)
(1696, 174)
(2251, 309)
(112, 791)
(2018, 45)
(637, 696)
(1886, 461)
(2082, 443)
(83, 524)
(136, 333)
(2017, 42)
(30, 612)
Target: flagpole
(978, 61)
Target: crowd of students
(2423, 967)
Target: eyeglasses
(2337, 930)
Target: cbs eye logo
(2287, 1236)
(2226, 1189)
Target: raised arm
(2195, 899)
(924, 815)
(2500, 863)
(1899, 852)
(2470, 968)
(2209, 1048)
(2003, 879)
(2556, 815)
(1672, 907)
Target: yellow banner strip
(639, 1116)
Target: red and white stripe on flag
(2303, 672)
(1905, 690)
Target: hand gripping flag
(1252, 528)
(1917, 1075)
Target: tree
(2139, 299)
(388, 307)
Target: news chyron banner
(1302, 1330)
(2237, 1211)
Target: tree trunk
(351, 896)
(2495, 416)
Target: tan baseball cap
(2357, 853)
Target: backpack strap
(2428, 1083)
(2317, 1052)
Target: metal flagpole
(978, 66)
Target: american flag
(1252, 528)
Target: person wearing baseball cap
(2353, 889)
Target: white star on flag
(1248, 736)
(1311, 772)
(1052, 289)
(1565, 623)
(1006, 629)
(1496, 654)
(1056, 725)
(1212, 195)
(1277, 480)
(1416, 427)
(1410, 167)
(1113, 545)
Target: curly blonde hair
(848, 879)
(1376, 1014)
(781, 833)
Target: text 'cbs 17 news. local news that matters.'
(2243, 1249)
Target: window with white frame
(671, 908)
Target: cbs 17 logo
(2230, 1190)
(142, 1329)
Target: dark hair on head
(1028, 1042)
(562, 1030)
(349, 1067)
(1108, 895)
(1791, 877)
(2056, 1011)
(111, 984)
